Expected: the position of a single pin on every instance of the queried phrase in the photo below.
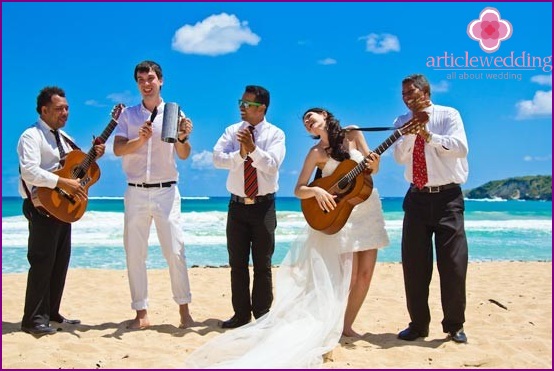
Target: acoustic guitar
(351, 183)
(59, 202)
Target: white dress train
(311, 293)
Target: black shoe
(458, 336)
(258, 315)
(410, 334)
(235, 322)
(39, 330)
(62, 319)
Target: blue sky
(347, 57)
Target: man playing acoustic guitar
(41, 149)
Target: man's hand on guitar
(73, 187)
(417, 124)
(325, 200)
(99, 148)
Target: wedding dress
(311, 293)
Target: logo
(490, 30)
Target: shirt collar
(43, 125)
(257, 127)
(160, 107)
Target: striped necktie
(419, 165)
(59, 143)
(250, 174)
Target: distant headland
(537, 187)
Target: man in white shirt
(152, 193)
(253, 151)
(436, 165)
(41, 150)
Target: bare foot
(350, 333)
(140, 322)
(186, 318)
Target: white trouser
(164, 206)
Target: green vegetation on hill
(521, 188)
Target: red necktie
(419, 166)
(250, 174)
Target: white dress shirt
(153, 162)
(445, 154)
(39, 156)
(266, 158)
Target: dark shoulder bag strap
(70, 142)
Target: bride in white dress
(322, 281)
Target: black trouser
(251, 227)
(442, 215)
(49, 249)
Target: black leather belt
(252, 201)
(153, 185)
(435, 189)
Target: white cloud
(542, 79)
(381, 44)
(216, 35)
(540, 106)
(125, 97)
(93, 103)
(537, 158)
(441, 87)
(327, 61)
(202, 160)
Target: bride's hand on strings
(372, 162)
(325, 200)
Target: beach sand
(517, 336)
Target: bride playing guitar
(364, 232)
(334, 143)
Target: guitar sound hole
(343, 183)
(344, 187)
(78, 172)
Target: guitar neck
(388, 142)
(91, 155)
(352, 174)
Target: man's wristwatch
(184, 139)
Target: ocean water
(496, 230)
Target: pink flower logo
(489, 30)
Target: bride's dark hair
(336, 135)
